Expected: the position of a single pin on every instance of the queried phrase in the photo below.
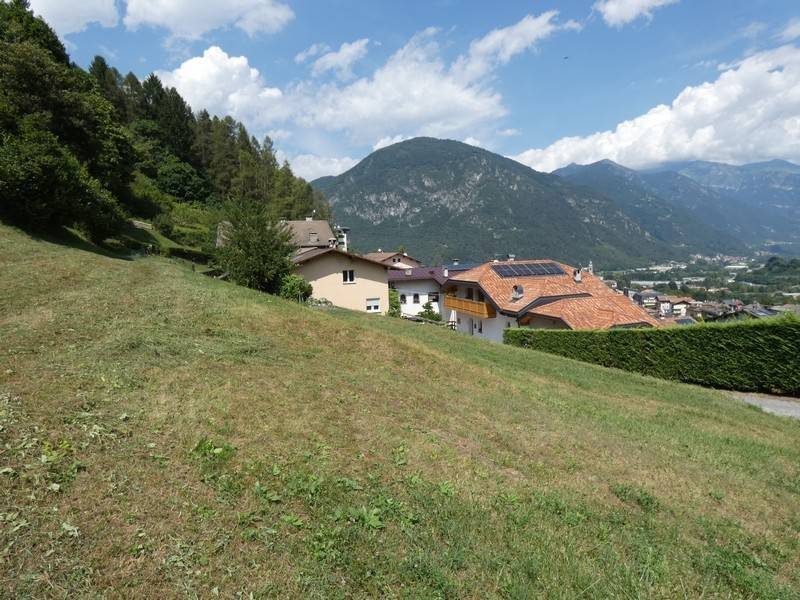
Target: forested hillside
(89, 149)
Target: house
(395, 260)
(306, 234)
(419, 285)
(540, 294)
(647, 298)
(673, 305)
(310, 234)
(344, 279)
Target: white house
(419, 285)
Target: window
(395, 260)
(480, 326)
(480, 296)
(348, 276)
(373, 305)
(402, 298)
(469, 293)
(433, 297)
(416, 298)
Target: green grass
(164, 434)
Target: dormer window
(313, 237)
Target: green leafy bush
(750, 356)
(163, 223)
(294, 287)
(430, 313)
(198, 256)
(394, 303)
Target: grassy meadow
(163, 434)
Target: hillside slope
(163, 434)
(443, 199)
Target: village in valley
(484, 299)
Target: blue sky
(545, 82)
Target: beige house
(345, 279)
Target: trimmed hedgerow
(749, 356)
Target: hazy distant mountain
(443, 199)
(676, 221)
(763, 198)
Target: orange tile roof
(588, 304)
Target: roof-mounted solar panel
(527, 269)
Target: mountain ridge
(443, 199)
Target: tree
(430, 313)
(258, 248)
(394, 303)
(294, 287)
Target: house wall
(325, 275)
(421, 287)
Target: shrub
(294, 287)
(394, 303)
(750, 356)
(257, 249)
(163, 223)
(197, 256)
(430, 313)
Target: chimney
(309, 218)
(590, 268)
(512, 256)
(456, 262)
(577, 275)
(446, 272)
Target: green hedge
(749, 356)
(198, 256)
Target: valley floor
(163, 434)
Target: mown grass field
(167, 435)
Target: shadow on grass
(72, 239)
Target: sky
(547, 83)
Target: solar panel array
(527, 269)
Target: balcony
(482, 310)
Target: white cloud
(472, 141)
(791, 32)
(501, 45)
(226, 85)
(617, 13)
(342, 60)
(73, 17)
(388, 141)
(191, 19)
(508, 132)
(751, 112)
(279, 135)
(415, 92)
(311, 166)
(311, 51)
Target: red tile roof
(588, 304)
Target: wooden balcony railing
(483, 310)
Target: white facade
(488, 329)
(415, 293)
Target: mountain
(677, 221)
(764, 197)
(443, 199)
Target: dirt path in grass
(777, 405)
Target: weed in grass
(630, 494)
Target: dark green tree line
(91, 148)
